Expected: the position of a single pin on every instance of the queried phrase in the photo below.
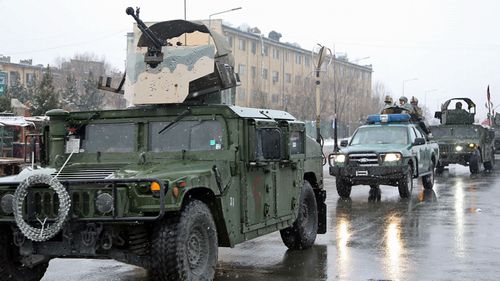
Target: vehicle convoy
(460, 140)
(389, 149)
(163, 184)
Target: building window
(275, 98)
(288, 77)
(276, 53)
(298, 80)
(298, 58)
(242, 69)
(286, 56)
(230, 40)
(14, 78)
(254, 47)
(241, 94)
(254, 72)
(30, 78)
(266, 51)
(264, 73)
(307, 61)
(243, 44)
(276, 76)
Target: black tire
(490, 165)
(428, 180)
(405, 185)
(185, 247)
(10, 269)
(343, 187)
(475, 162)
(302, 234)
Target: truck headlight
(459, 148)
(6, 204)
(472, 145)
(392, 157)
(104, 203)
(340, 158)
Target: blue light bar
(387, 118)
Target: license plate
(361, 173)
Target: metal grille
(445, 148)
(363, 159)
(86, 174)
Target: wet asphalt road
(449, 233)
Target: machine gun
(154, 56)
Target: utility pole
(322, 53)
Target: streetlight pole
(218, 13)
(407, 80)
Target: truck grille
(363, 159)
(446, 148)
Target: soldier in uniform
(416, 109)
(403, 104)
(387, 105)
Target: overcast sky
(451, 46)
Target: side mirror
(344, 143)
(419, 141)
(438, 114)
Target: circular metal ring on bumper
(46, 231)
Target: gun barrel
(145, 30)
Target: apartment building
(23, 72)
(280, 75)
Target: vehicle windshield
(455, 132)
(380, 135)
(186, 135)
(109, 138)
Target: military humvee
(163, 184)
(460, 141)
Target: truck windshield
(380, 135)
(456, 132)
(109, 138)
(186, 135)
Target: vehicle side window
(296, 143)
(413, 135)
(268, 145)
(419, 134)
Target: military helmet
(403, 98)
(388, 99)
(414, 100)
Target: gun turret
(154, 55)
(188, 70)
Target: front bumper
(389, 175)
(462, 158)
(42, 202)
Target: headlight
(340, 158)
(104, 203)
(459, 148)
(472, 145)
(6, 204)
(392, 157)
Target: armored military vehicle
(165, 183)
(389, 149)
(460, 140)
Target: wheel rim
(197, 250)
